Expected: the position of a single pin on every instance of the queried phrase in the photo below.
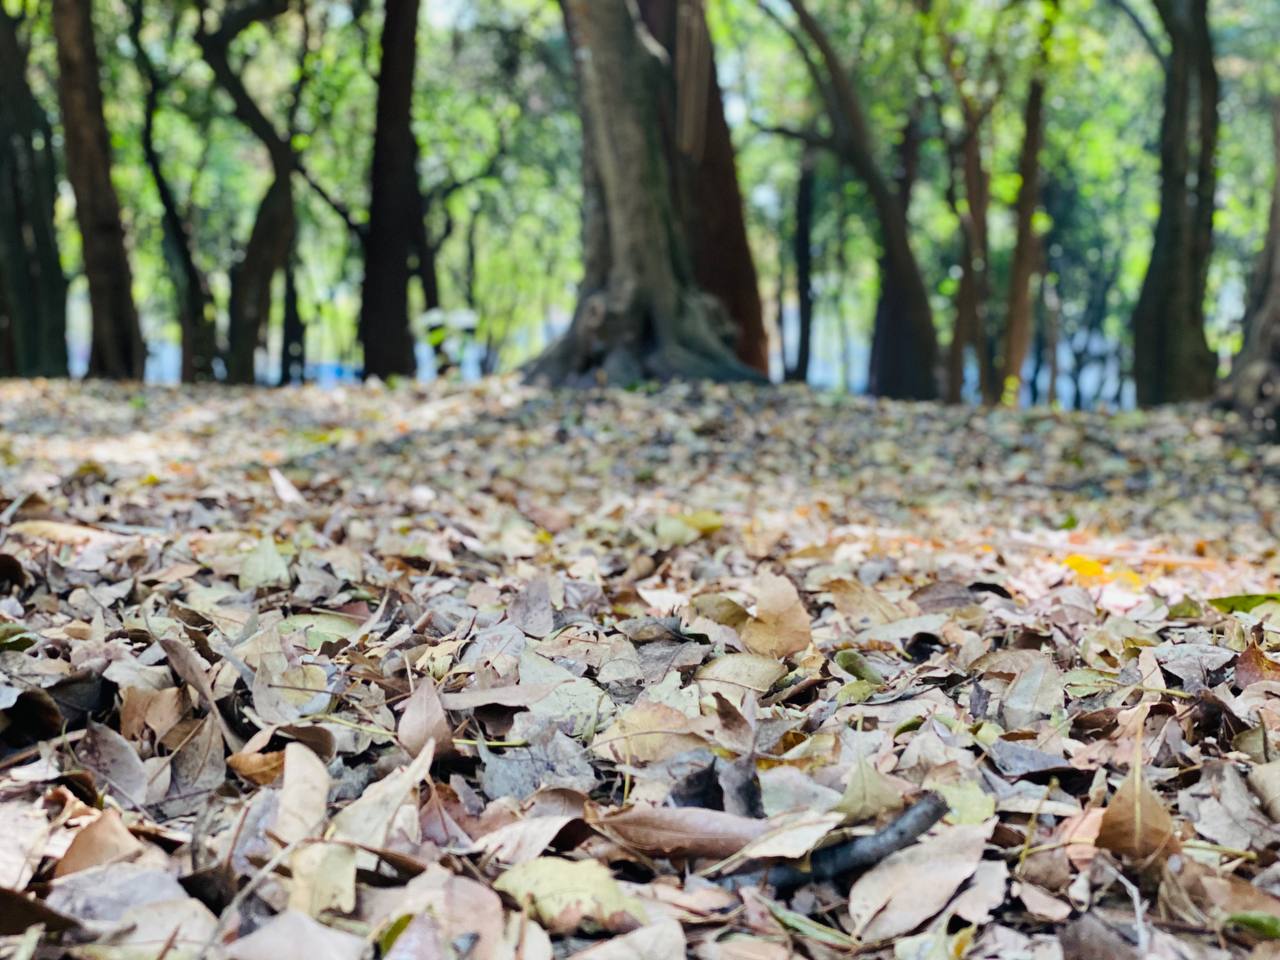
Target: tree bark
(974, 289)
(904, 350)
(191, 288)
(702, 155)
(385, 332)
(271, 239)
(117, 350)
(293, 343)
(1254, 386)
(33, 290)
(646, 317)
(1018, 320)
(897, 367)
(803, 244)
(1172, 361)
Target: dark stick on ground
(849, 857)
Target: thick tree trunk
(702, 155)
(1254, 386)
(904, 347)
(385, 332)
(803, 245)
(191, 289)
(117, 350)
(33, 291)
(646, 317)
(1018, 320)
(1172, 361)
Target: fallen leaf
(889, 900)
(564, 895)
(1136, 824)
(424, 720)
(679, 831)
(103, 841)
(1254, 666)
(663, 940)
(780, 626)
(294, 934)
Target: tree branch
(1141, 26)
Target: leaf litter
(493, 672)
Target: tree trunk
(904, 350)
(293, 345)
(33, 291)
(701, 153)
(271, 239)
(117, 350)
(1254, 387)
(1018, 321)
(974, 289)
(385, 332)
(191, 288)
(264, 256)
(803, 243)
(648, 318)
(1172, 361)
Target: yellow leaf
(565, 895)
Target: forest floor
(493, 672)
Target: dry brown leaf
(424, 719)
(103, 841)
(678, 831)
(901, 892)
(647, 732)
(259, 768)
(780, 626)
(739, 673)
(1136, 823)
(1254, 666)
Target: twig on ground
(850, 856)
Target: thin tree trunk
(1172, 361)
(905, 347)
(33, 291)
(803, 246)
(385, 332)
(117, 350)
(973, 290)
(264, 256)
(1018, 321)
(293, 342)
(271, 239)
(650, 319)
(191, 289)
